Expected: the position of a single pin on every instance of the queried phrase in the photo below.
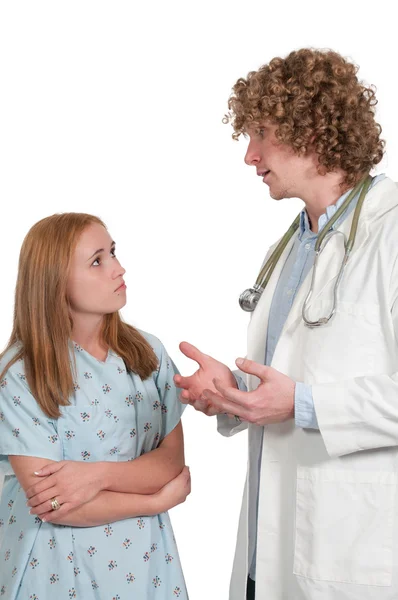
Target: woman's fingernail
(43, 520)
(37, 472)
(239, 362)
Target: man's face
(285, 173)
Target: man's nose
(252, 156)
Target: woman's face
(95, 284)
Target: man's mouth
(263, 173)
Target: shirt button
(307, 246)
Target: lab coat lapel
(257, 330)
(329, 264)
(382, 197)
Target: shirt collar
(325, 217)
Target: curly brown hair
(315, 100)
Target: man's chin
(275, 195)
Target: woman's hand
(71, 483)
(175, 492)
(202, 379)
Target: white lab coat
(328, 506)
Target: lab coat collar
(305, 229)
(379, 200)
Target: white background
(115, 108)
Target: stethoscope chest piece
(249, 298)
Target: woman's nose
(119, 271)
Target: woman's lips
(123, 286)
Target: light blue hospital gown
(113, 416)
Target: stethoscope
(248, 300)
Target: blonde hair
(42, 325)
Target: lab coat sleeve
(228, 426)
(360, 413)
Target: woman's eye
(96, 263)
(113, 252)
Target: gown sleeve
(25, 430)
(171, 406)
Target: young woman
(90, 430)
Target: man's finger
(182, 382)
(232, 394)
(222, 405)
(201, 405)
(185, 397)
(192, 352)
(253, 368)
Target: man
(319, 517)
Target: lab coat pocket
(344, 525)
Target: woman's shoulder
(18, 366)
(154, 342)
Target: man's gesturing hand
(271, 402)
(193, 386)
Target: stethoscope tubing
(249, 298)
